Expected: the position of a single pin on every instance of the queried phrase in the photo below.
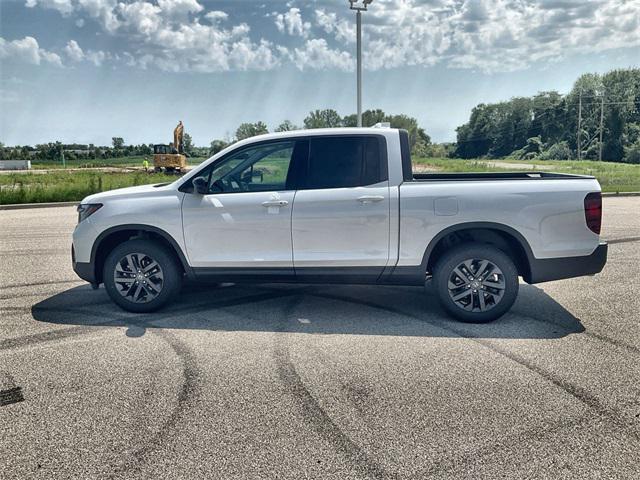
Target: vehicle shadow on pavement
(311, 309)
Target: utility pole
(579, 127)
(359, 6)
(601, 125)
(64, 163)
(359, 63)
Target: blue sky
(87, 70)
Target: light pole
(359, 6)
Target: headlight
(85, 210)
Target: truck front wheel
(141, 276)
(476, 283)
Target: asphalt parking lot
(297, 381)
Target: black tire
(166, 287)
(471, 301)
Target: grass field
(60, 186)
(68, 186)
(135, 161)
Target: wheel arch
(114, 236)
(503, 237)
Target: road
(277, 381)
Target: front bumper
(548, 269)
(85, 271)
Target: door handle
(370, 199)
(275, 203)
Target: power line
(630, 102)
(601, 128)
(578, 133)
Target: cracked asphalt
(299, 381)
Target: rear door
(340, 222)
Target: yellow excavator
(171, 158)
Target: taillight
(593, 211)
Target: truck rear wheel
(141, 276)
(476, 283)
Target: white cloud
(73, 51)
(63, 6)
(326, 20)
(495, 35)
(102, 10)
(27, 50)
(141, 17)
(344, 30)
(97, 57)
(168, 34)
(488, 35)
(244, 55)
(291, 22)
(76, 54)
(180, 7)
(316, 54)
(50, 57)
(216, 15)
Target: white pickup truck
(340, 206)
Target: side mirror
(200, 185)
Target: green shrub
(558, 151)
(632, 153)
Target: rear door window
(345, 161)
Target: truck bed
(475, 176)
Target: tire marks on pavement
(612, 415)
(312, 411)
(50, 336)
(9, 392)
(188, 392)
(189, 389)
(33, 284)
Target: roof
(316, 132)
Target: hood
(129, 192)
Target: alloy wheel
(476, 285)
(138, 277)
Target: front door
(245, 219)
(341, 212)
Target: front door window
(261, 168)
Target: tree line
(598, 118)
(329, 118)
(50, 152)
(53, 151)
